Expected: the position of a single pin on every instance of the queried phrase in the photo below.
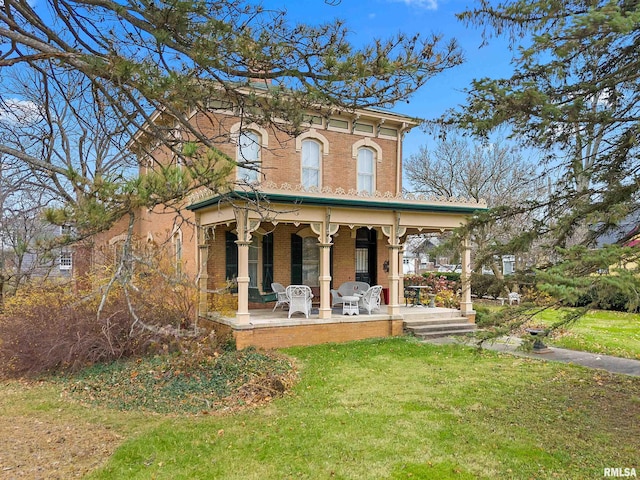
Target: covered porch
(272, 329)
(319, 239)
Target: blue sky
(368, 19)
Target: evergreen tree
(575, 95)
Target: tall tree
(495, 172)
(181, 56)
(80, 79)
(88, 88)
(24, 237)
(575, 94)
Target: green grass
(384, 409)
(599, 331)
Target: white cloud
(426, 4)
(13, 110)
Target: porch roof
(326, 198)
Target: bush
(47, 328)
(483, 316)
(451, 276)
(50, 327)
(447, 299)
(480, 284)
(497, 288)
(604, 297)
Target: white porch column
(203, 275)
(394, 280)
(242, 315)
(325, 280)
(244, 227)
(466, 307)
(401, 275)
(393, 233)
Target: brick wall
(282, 163)
(344, 263)
(280, 337)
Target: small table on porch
(350, 305)
(419, 288)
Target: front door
(366, 255)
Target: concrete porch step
(441, 329)
(452, 333)
(421, 313)
(420, 322)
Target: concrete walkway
(592, 360)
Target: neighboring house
(336, 213)
(56, 262)
(418, 254)
(506, 262)
(627, 234)
(28, 251)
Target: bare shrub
(50, 327)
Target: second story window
(366, 172)
(310, 164)
(249, 153)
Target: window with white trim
(66, 260)
(254, 261)
(249, 153)
(311, 164)
(366, 170)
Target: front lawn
(599, 331)
(392, 408)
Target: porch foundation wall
(470, 316)
(302, 335)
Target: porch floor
(266, 318)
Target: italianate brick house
(318, 209)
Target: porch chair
(281, 293)
(256, 297)
(371, 299)
(299, 297)
(514, 297)
(411, 296)
(347, 289)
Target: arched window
(249, 154)
(366, 170)
(311, 172)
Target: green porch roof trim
(407, 206)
